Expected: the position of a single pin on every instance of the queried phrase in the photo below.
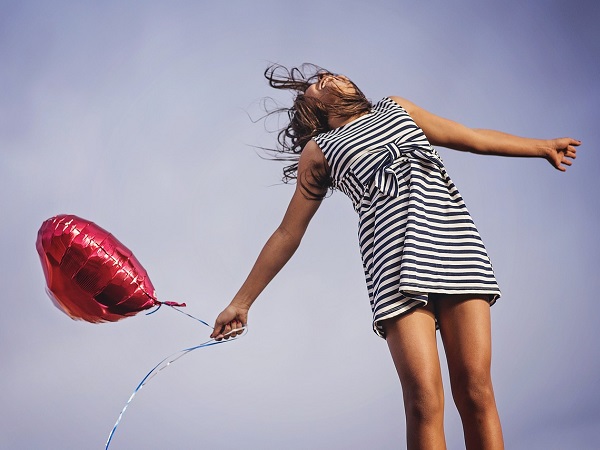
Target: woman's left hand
(560, 152)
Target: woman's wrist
(544, 149)
(243, 303)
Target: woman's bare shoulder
(406, 104)
(311, 151)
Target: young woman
(424, 262)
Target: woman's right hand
(231, 318)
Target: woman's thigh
(465, 327)
(411, 339)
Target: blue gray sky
(141, 116)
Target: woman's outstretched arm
(446, 133)
(279, 248)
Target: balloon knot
(181, 305)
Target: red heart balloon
(90, 275)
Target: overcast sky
(143, 117)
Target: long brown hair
(308, 117)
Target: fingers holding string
(231, 329)
(237, 328)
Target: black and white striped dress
(416, 236)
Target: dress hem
(406, 307)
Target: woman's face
(326, 83)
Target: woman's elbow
(288, 238)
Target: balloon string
(154, 310)
(195, 318)
(168, 361)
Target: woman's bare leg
(412, 342)
(465, 327)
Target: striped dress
(415, 234)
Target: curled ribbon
(169, 360)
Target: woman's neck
(337, 121)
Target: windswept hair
(307, 118)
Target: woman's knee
(424, 400)
(473, 393)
